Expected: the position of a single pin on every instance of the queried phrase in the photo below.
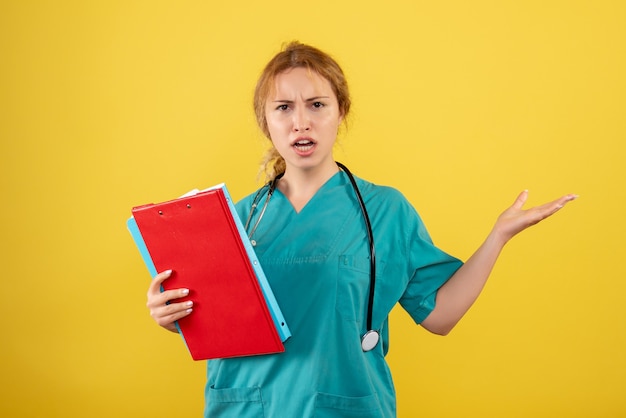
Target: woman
(311, 235)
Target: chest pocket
(353, 283)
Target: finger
(155, 285)
(568, 198)
(156, 296)
(167, 315)
(521, 200)
(562, 201)
(551, 208)
(163, 298)
(172, 309)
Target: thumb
(521, 199)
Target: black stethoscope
(370, 339)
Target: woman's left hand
(515, 219)
(456, 296)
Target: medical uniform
(317, 263)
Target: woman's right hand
(162, 310)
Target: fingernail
(189, 303)
(189, 310)
(168, 272)
(185, 291)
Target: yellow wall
(459, 104)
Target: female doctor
(339, 253)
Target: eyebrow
(307, 100)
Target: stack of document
(200, 237)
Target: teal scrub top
(317, 264)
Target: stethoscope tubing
(372, 249)
(370, 339)
(271, 186)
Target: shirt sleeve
(430, 267)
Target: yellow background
(459, 104)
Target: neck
(299, 186)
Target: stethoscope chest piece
(369, 340)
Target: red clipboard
(197, 237)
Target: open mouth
(304, 145)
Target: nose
(301, 120)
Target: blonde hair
(296, 55)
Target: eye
(318, 105)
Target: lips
(303, 145)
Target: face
(303, 118)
